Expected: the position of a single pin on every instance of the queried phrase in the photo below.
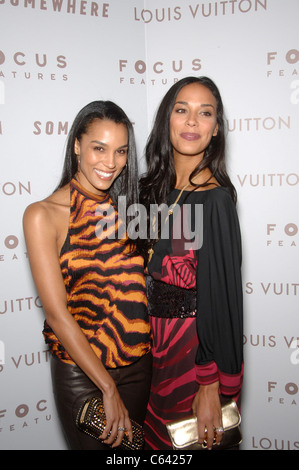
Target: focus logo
(284, 394)
(29, 65)
(24, 416)
(12, 248)
(159, 72)
(282, 64)
(282, 235)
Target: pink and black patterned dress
(195, 306)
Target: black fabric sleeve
(219, 286)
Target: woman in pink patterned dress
(194, 289)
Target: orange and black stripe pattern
(106, 291)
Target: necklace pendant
(150, 254)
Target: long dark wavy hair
(127, 182)
(160, 177)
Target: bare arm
(41, 240)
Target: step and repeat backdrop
(58, 55)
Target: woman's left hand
(206, 406)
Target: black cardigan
(219, 284)
(219, 287)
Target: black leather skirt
(72, 387)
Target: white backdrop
(58, 55)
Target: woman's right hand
(117, 419)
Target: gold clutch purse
(91, 420)
(183, 433)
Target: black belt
(168, 301)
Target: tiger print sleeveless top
(106, 291)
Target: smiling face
(193, 122)
(102, 153)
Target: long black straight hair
(127, 182)
(160, 177)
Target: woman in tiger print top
(89, 279)
(105, 287)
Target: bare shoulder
(36, 213)
(50, 213)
